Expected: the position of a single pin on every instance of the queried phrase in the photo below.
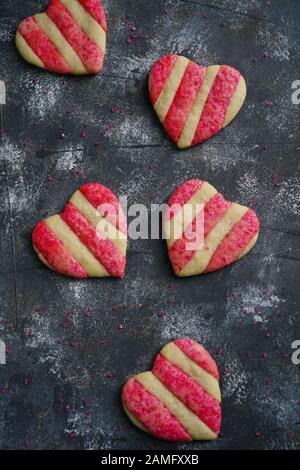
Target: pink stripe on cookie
(54, 252)
(184, 100)
(151, 413)
(214, 111)
(198, 354)
(189, 392)
(103, 249)
(235, 242)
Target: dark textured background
(56, 396)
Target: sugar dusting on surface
(44, 95)
(248, 302)
(275, 42)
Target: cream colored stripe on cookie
(190, 422)
(166, 97)
(183, 218)
(56, 37)
(192, 121)
(202, 257)
(77, 249)
(92, 215)
(236, 101)
(249, 246)
(87, 23)
(192, 369)
(26, 51)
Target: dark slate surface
(50, 391)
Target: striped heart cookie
(69, 38)
(223, 231)
(179, 400)
(194, 102)
(88, 239)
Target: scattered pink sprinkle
(73, 344)
(26, 381)
(258, 434)
(265, 147)
(133, 28)
(26, 443)
(254, 59)
(267, 55)
(83, 134)
(109, 375)
(120, 327)
(29, 333)
(85, 401)
(268, 335)
(268, 103)
(245, 178)
(226, 373)
(114, 308)
(269, 382)
(61, 340)
(62, 135)
(113, 109)
(8, 350)
(264, 355)
(72, 434)
(50, 178)
(205, 15)
(129, 41)
(88, 312)
(161, 314)
(39, 309)
(79, 172)
(97, 143)
(87, 414)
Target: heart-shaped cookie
(88, 239)
(204, 231)
(69, 38)
(194, 102)
(179, 400)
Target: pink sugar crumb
(85, 401)
(258, 434)
(161, 314)
(109, 375)
(73, 344)
(62, 135)
(26, 381)
(50, 178)
(268, 103)
(113, 109)
(205, 15)
(226, 373)
(8, 350)
(72, 434)
(120, 327)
